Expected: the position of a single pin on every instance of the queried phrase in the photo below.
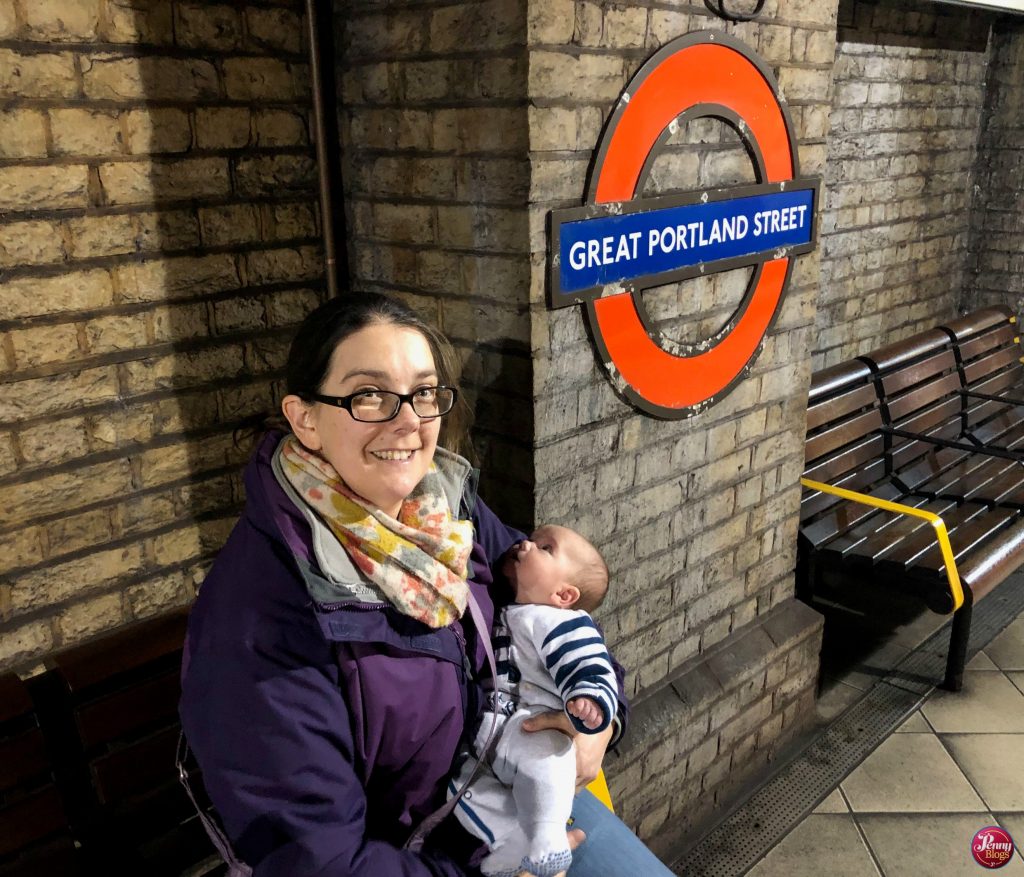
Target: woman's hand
(590, 748)
(576, 837)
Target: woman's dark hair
(319, 335)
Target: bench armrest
(952, 576)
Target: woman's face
(382, 462)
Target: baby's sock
(506, 859)
(547, 849)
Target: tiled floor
(954, 766)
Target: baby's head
(557, 567)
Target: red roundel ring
(699, 74)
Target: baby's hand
(586, 710)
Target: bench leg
(958, 644)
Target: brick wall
(909, 92)
(434, 126)
(696, 518)
(157, 234)
(998, 222)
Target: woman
(330, 673)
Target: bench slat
(30, 819)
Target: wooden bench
(913, 480)
(107, 712)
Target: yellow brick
(41, 188)
(21, 548)
(274, 266)
(125, 332)
(32, 398)
(167, 229)
(159, 279)
(84, 620)
(75, 291)
(86, 132)
(258, 78)
(114, 429)
(61, 20)
(64, 492)
(183, 412)
(232, 224)
(20, 644)
(223, 127)
(8, 459)
(137, 182)
(37, 75)
(180, 322)
(156, 130)
(56, 583)
(8, 20)
(143, 514)
(280, 128)
(275, 28)
(112, 77)
(159, 595)
(294, 221)
(178, 546)
(54, 442)
(184, 369)
(101, 235)
(30, 243)
(22, 134)
(236, 314)
(208, 26)
(166, 464)
(291, 306)
(138, 21)
(42, 344)
(72, 533)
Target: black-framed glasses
(376, 406)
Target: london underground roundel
(607, 252)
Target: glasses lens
(376, 405)
(433, 401)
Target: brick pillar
(464, 125)
(697, 518)
(997, 241)
(158, 243)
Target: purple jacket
(326, 730)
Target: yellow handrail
(955, 588)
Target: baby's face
(544, 564)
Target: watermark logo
(992, 847)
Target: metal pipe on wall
(331, 218)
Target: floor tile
(981, 661)
(988, 703)
(1017, 678)
(916, 723)
(912, 844)
(834, 803)
(994, 763)
(910, 773)
(1007, 649)
(800, 853)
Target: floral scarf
(419, 561)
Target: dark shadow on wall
(229, 262)
(923, 25)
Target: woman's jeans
(611, 849)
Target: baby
(550, 655)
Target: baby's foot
(548, 851)
(586, 710)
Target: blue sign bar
(595, 252)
